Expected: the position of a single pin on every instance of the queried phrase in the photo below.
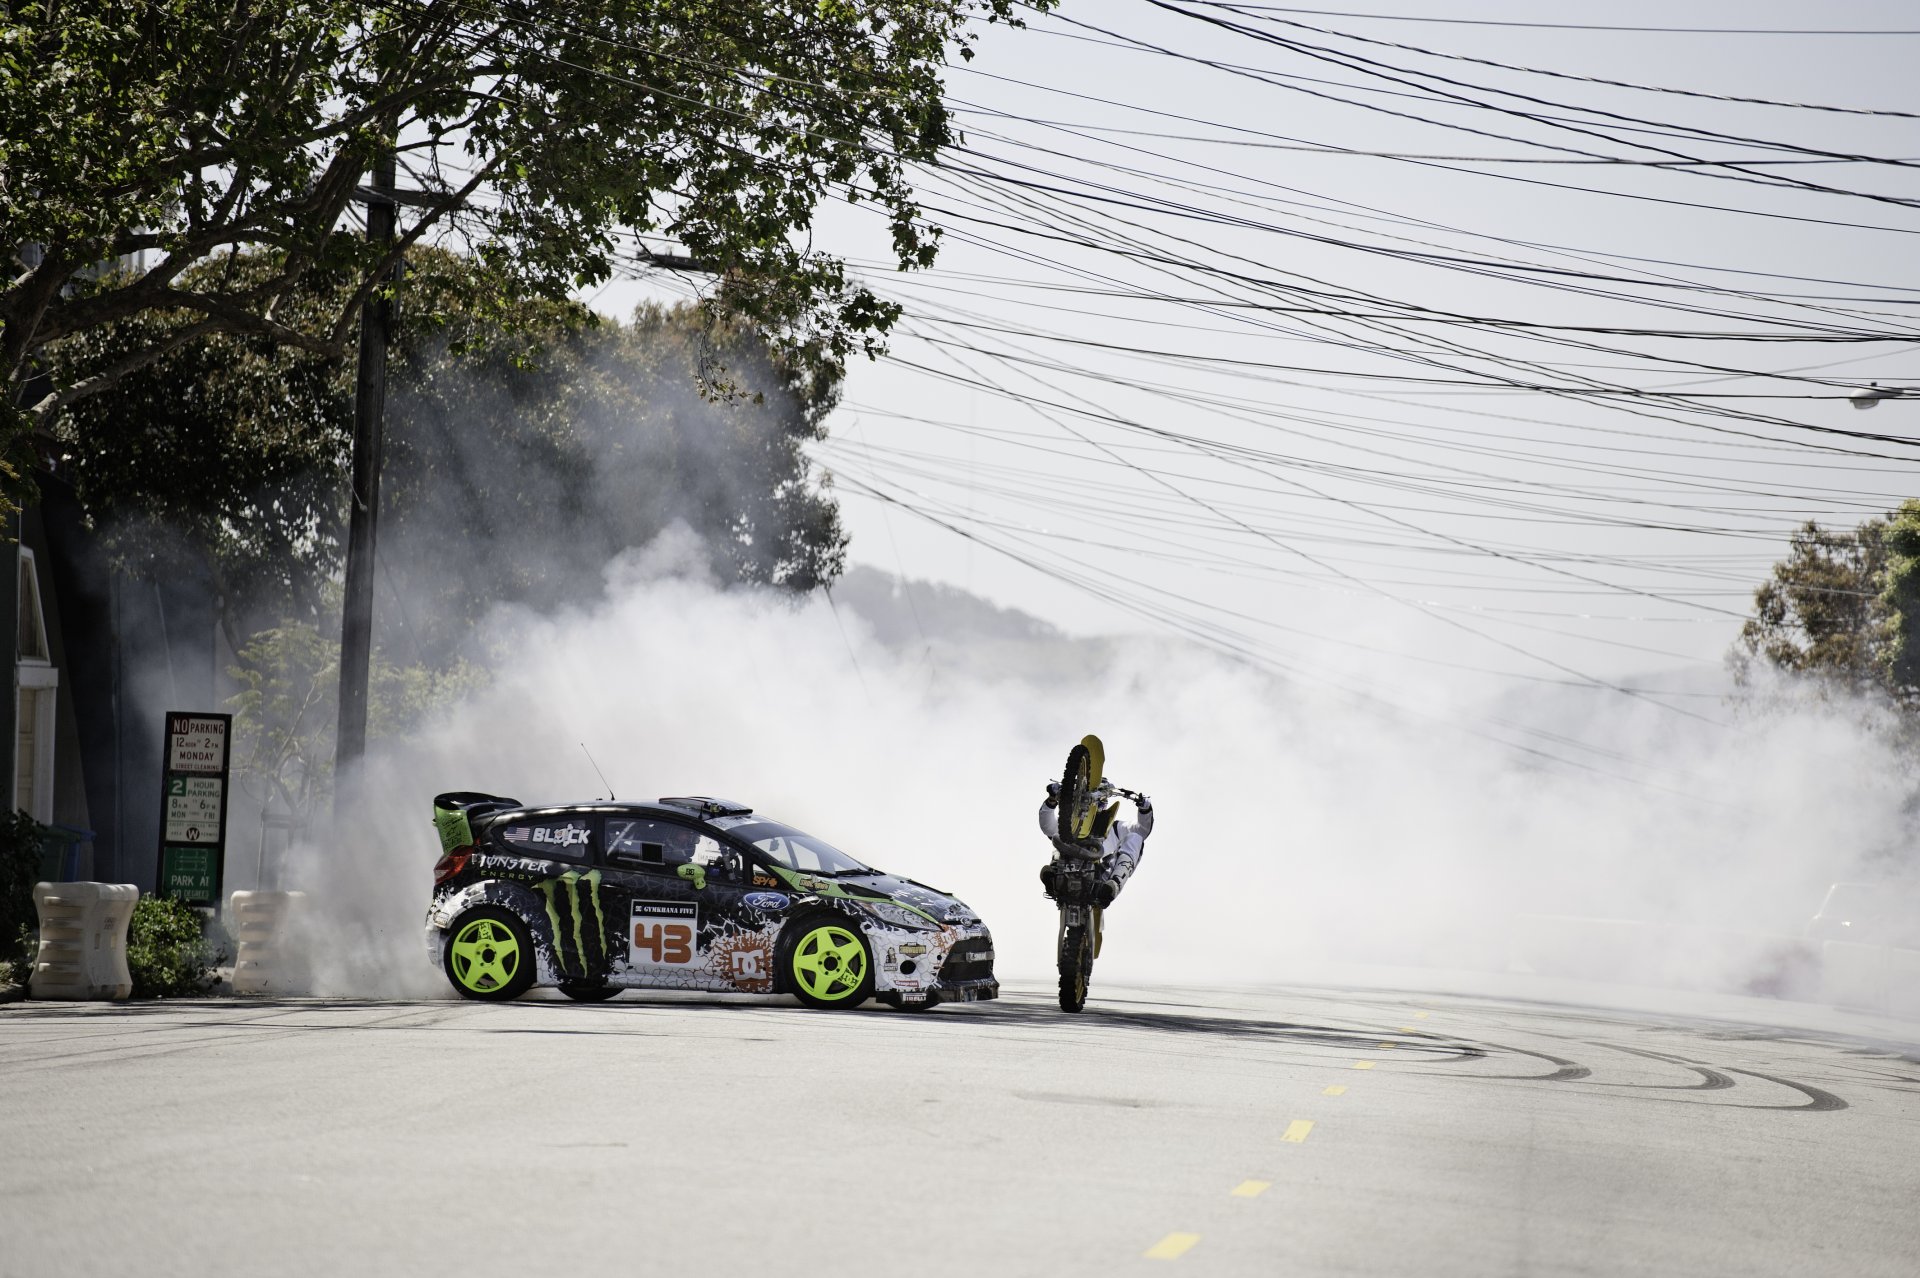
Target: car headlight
(899, 916)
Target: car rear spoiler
(455, 811)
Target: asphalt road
(1199, 1131)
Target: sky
(1266, 337)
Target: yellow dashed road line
(1419, 1016)
(1338, 1089)
(1297, 1130)
(1387, 1046)
(1172, 1247)
(1251, 1188)
(1363, 1064)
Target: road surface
(1244, 1132)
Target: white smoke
(1296, 831)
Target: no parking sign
(193, 823)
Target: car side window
(791, 853)
(642, 843)
(554, 836)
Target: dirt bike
(1085, 813)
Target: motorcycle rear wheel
(1076, 966)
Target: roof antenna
(596, 768)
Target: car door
(679, 890)
(749, 905)
(555, 850)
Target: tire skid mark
(1818, 1101)
(1711, 1080)
(138, 1040)
(1568, 1071)
(1013, 1016)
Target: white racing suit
(1122, 850)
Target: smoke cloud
(1300, 836)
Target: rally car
(685, 893)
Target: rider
(1122, 844)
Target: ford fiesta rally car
(686, 893)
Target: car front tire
(828, 963)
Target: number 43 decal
(663, 942)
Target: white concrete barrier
(267, 958)
(83, 940)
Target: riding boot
(1114, 873)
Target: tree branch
(43, 410)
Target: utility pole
(369, 406)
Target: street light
(1869, 396)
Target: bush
(20, 847)
(168, 952)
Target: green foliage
(545, 137)
(168, 952)
(1819, 613)
(515, 477)
(21, 844)
(1843, 608)
(285, 713)
(227, 456)
(518, 461)
(1899, 603)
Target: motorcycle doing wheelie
(1086, 807)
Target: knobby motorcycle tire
(1076, 966)
(1076, 792)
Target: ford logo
(764, 901)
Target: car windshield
(798, 850)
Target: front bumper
(922, 969)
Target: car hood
(918, 896)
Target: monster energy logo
(571, 881)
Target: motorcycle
(1085, 797)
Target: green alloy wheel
(830, 965)
(490, 954)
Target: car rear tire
(582, 992)
(827, 962)
(489, 954)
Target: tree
(545, 137)
(1844, 609)
(284, 720)
(519, 461)
(1899, 603)
(1820, 614)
